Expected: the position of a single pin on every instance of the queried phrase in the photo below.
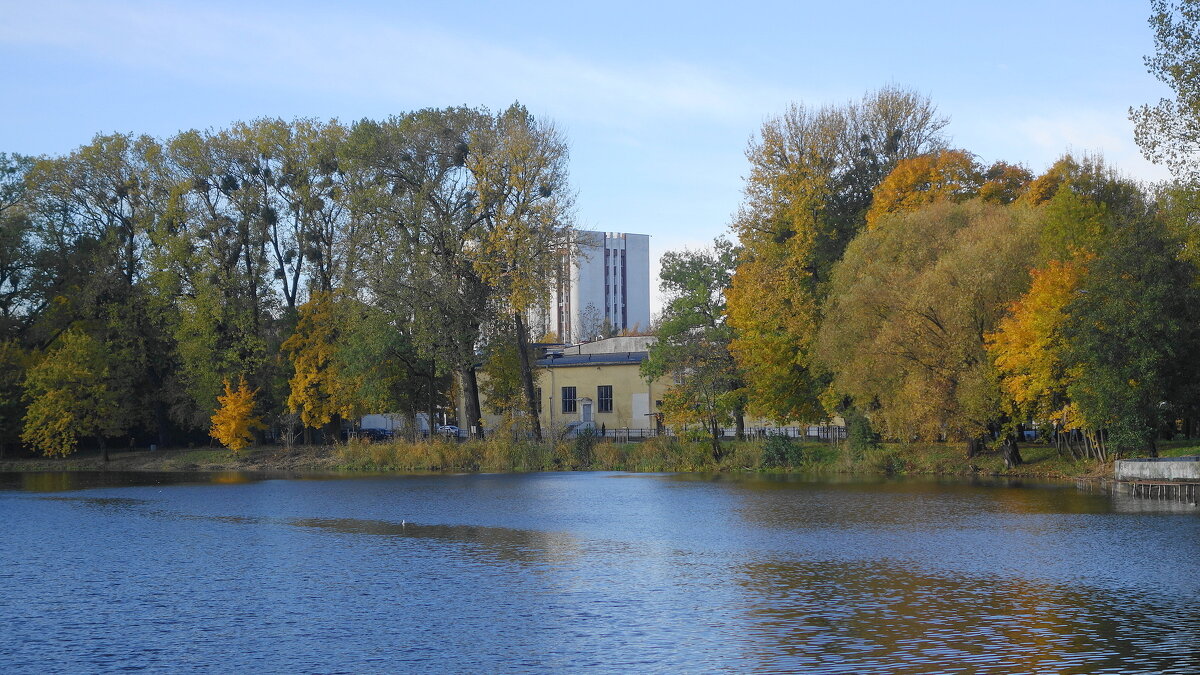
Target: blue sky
(658, 99)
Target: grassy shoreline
(655, 455)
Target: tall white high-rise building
(605, 284)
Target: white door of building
(640, 419)
(585, 407)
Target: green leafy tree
(1131, 337)
(502, 384)
(210, 257)
(1074, 352)
(1082, 202)
(17, 265)
(693, 341)
(413, 176)
(95, 207)
(70, 396)
(1167, 131)
(519, 165)
(377, 354)
(14, 361)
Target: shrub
(859, 435)
(582, 447)
(745, 456)
(779, 451)
(610, 456)
(884, 461)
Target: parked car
(376, 434)
(449, 430)
(372, 435)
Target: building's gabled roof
(609, 358)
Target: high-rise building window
(604, 398)
(624, 295)
(568, 399)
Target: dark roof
(592, 359)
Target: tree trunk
(429, 406)
(974, 446)
(739, 421)
(332, 432)
(1012, 453)
(161, 420)
(469, 384)
(103, 449)
(527, 374)
(715, 430)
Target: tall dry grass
(671, 454)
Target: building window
(568, 399)
(624, 293)
(604, 398)
(537, 394)
(607, 282)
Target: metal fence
(824, 432)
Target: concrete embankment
(1182, 469)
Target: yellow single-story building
(599, 385)
(594, 384)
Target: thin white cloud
(344, 53)
(1086, 131)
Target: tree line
(884, 276)
(322, 269)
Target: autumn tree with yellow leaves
(234, 421)
(1028, 348)
(951, 175)
(318, 391)
(948, 175)
(909, 305)
(811, 182)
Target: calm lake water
(596, 571)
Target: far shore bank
(656, 455)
